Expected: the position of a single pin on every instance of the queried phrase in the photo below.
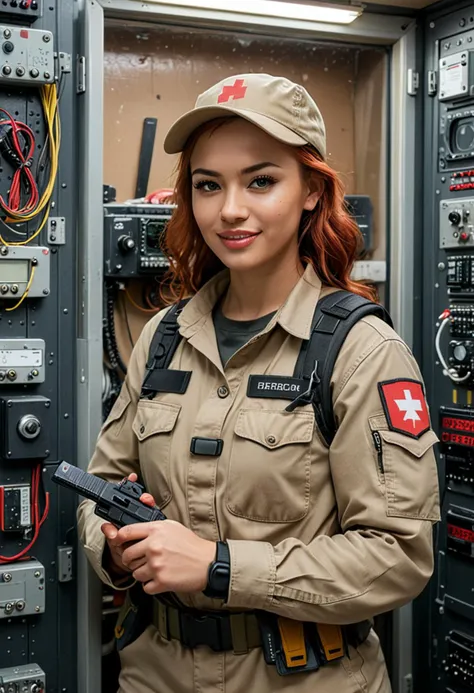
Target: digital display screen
(457, 424)
(461, 533)
(14, 271)
(154, 233)
(457, 439)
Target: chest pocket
(270, 465)
(153, 426)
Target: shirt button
(223, 391)
(142, 429)
(271, 440)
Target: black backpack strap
(162, 348)
(334, 317)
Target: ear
(311, 201)
(315, 190)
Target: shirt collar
(294, 316)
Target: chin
(242, 262)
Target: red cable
(23, 171)
(35, 482)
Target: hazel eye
(262, 182)
(206, 185)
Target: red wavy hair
(329, 239)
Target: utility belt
(291, 646)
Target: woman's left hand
(166, 556)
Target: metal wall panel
(47, 639)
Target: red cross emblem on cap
(405, 407)
(235, 91)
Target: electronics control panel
(26, 55)
(24, 268)
(447, 321)
(133, 239)
(27, 678)
(22, 361)
(24, 11)
(41, 160)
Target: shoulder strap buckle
(308, 395)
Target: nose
(234, 208)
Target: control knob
(454, 218)
(126, 244)
(29, 427)
(460, 352)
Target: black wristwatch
(218, 577)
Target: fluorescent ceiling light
(334, 14)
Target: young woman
(273, 540)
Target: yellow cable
(36, 233)
(28, 287)
(49, 100)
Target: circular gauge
(465, 137)
(460, 352)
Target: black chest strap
(334, 317)
(158, 376)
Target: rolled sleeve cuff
(94, 555)
(252, 574)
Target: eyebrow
(250, 169)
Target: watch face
(220, 577)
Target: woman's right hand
(113, 560)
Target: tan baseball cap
(280, 107)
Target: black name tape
(275, 386)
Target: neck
(259, 292)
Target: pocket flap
(120, 404)
(154, 417)
(416, 447)
(273, 428)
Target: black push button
(207, 446)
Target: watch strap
(223, 553)
(218, 580)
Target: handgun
(117, 503)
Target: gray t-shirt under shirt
(231, 335)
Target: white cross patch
(410, 406)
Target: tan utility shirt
(330, 536)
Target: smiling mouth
(238, 241)
(233, 236)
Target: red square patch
(405, 407)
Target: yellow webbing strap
(292, 638)
(331, 640)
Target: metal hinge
(64, 60)
(432, 82)
(408, 684)
(413, 82)
(81, 74)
